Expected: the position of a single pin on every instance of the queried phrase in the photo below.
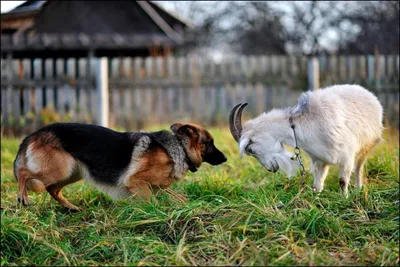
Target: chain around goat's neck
(297, 154)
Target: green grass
(237, 214)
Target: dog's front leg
(141, 189)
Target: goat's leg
(360, 171)
(320, 170)
(345, 173)
(361, 158)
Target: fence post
(371, 68)
(102, 91)
(89, 74)
(6, 110)
(313, 74)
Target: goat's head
(254, 141)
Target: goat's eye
(248, 149)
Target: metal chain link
(297, 155)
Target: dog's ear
(190, 137)
(174, 127)
(185, 129)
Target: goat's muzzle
(235, 121)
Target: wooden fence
(139, 91)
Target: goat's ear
(301, 106)
(242, 145)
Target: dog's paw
(73, 208)
(23, 200)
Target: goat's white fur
(337, 125)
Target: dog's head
(198, 144)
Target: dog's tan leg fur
(55, 192)
(140, 189)
(46, 165)
(35, 185)
(154, 173)
(23, 176)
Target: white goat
(337, 125)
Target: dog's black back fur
(105, 152)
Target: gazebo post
(90, 83)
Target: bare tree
(206, 17)
(255, 29)
(377, 26)
(246, 27)
(299, 27)
(309, 25)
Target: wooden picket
(163, 90)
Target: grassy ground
(237, 214)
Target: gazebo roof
(101, 25)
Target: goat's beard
(288, 166)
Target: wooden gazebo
(38, 29)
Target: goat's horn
(238, 119)
(232, 126)
(235, 125)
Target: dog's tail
(17, 162)
(16, 166)
(34, 185)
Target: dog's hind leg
(55, 192)
(23, 177)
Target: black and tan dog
(119, 164)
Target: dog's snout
(219, 159)
(215, 157)
(224, 159)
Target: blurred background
(166, 61)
